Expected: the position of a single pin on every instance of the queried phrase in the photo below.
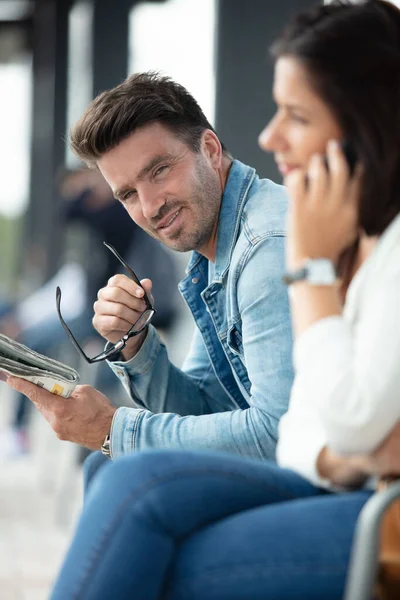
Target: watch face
(320, 271)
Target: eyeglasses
(139, 325)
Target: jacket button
(195, 280)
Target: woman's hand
(352, 471)
(323, 217)
(385, 460)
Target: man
(166, 165)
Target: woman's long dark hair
(351, 53)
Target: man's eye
(128, 195)
(160, 170)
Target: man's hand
(84, 418)
(119, 305)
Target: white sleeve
(350, 374)
(300, 440)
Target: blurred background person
(85, 199)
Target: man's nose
(151, 202)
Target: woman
(191, 525)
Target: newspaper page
(20, 361)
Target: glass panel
(15, 123)
(80, 76)
(170, 26)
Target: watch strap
(316, 271)
(293, 276)
(106, 446)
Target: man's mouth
(168, 220)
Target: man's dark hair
(142, 99)
(351, 54)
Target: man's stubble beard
(206, 195)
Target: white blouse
(346, 393)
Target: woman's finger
(339, 174)
(318, 180)
(295, 183)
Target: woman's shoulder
(385, 260)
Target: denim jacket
(235, 382)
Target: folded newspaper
(20, 361)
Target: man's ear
(212, 149)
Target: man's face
(171, 192)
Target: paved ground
(36, 512)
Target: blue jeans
(196, 526)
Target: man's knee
(141, 470)
(91, 467)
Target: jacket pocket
(234, 340)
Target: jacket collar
(233, 200)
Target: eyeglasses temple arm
(66, 328)
(131, 273)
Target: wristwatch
(105, 447)
(316, 271)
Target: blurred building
(55, 55)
